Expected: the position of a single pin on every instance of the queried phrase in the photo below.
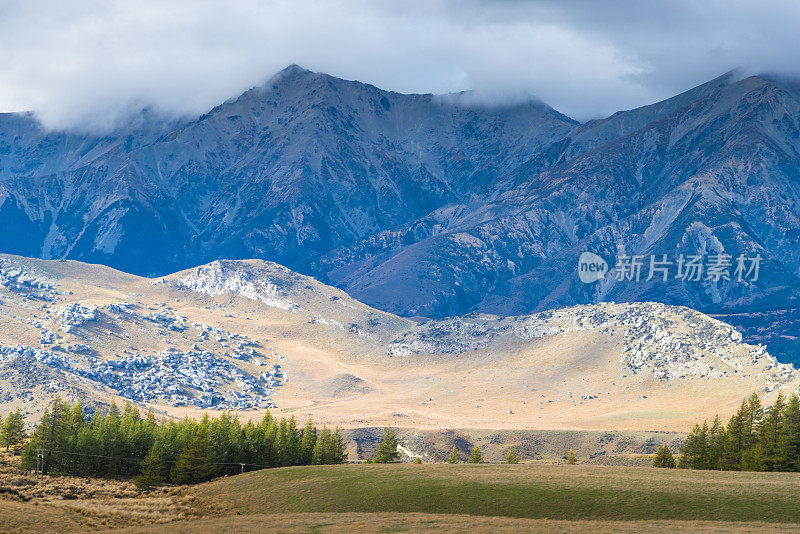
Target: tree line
(123, 443)
(755, 439)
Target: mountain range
(432, 206)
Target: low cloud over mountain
(94, 63)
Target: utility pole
(39, 461)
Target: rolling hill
(247, 336)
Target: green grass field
(556, 492)
(454, 498)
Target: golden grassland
(428, 497)
(412, 522)
(338, 366)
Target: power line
(141, 459)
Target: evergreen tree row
(755, 439)
(122, 443)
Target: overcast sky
(88, 63)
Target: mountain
(287, 171)
(252, 335)
(433, 206)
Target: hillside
(251, 335)
(433, 206)
(594, 493)
(438, 498)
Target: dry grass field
(386, 522)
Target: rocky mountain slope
(247, 336)
(287, 171)
(434, 206)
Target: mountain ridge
(423, 205)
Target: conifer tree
(766, 452)
(292, 442)
(717, 439)
(789, 445)
(307, 443)
(193, 464)
(664, 458)
(153, 466)
(284, 443)
(571, 457)
(475, 456)
(736, 440)
(453, 458)
(13, 429)
(334, 449)
(511, 456)
(695, 450)
(321, 447)
(387, 450)
(53, 430)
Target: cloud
(90, 63)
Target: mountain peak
(292, 70)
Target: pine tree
(321, 447)
(292, 442)
(152, 473)
(387, 450)
(307, 442)
(511, 456)
(717, 440)
(664, 458)
(475, 456)
(269, 441)
(789, 446)
(284, 444)
(193, 464)
(54, 429)
(735, 439)
(695, 453)
(754, 415)
(571, 457)
(334, 449)
(767, 450)
(753, 453)
(453, 458)
(13, 429)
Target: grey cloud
(90, 63)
